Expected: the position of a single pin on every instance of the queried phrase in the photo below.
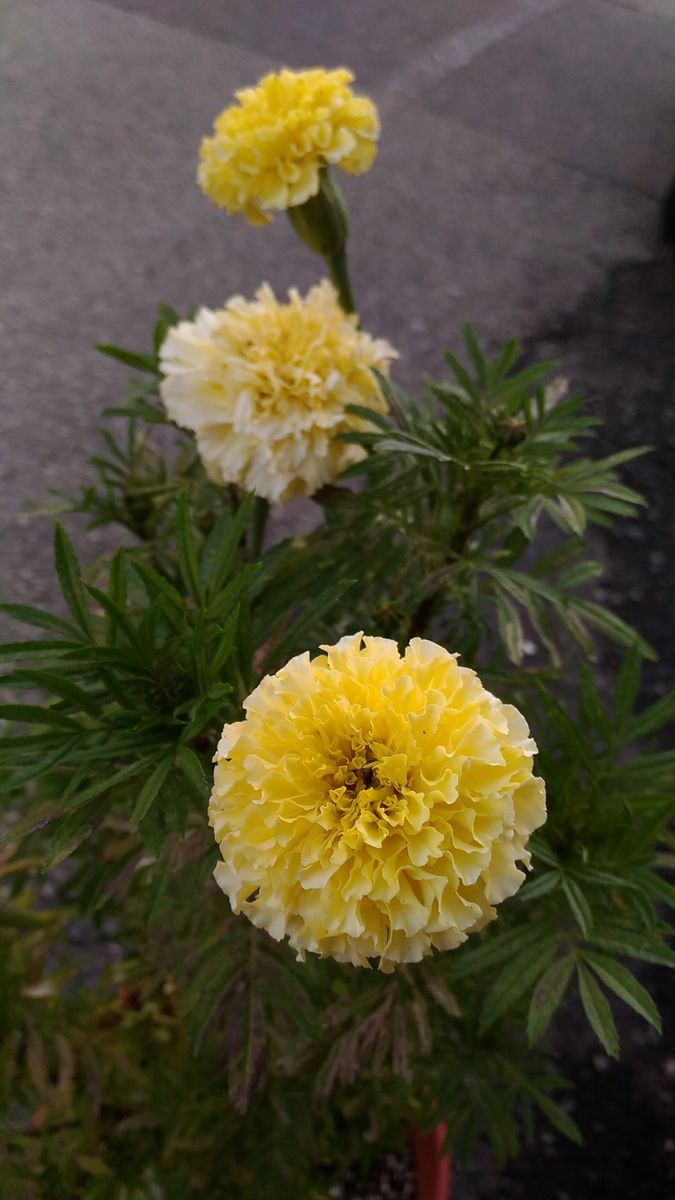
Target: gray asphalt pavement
(525, 146)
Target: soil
(617, 348)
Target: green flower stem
(321, 224)
(339, 273)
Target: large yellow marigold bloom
(266, 151)
(373, 805)
(264, 386)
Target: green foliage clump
(194, 1056)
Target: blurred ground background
(526, 146)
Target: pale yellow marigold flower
(266, 151)
(373, 805)
(264, 386)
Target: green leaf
(598, 1012)
(221, 547)
(590, 704)
(36, 649)
(541, 885)
(33, 714)
(110, 781)
(547, 996)
(558, 1117)
(117, 591)
(150, 790)
(59, 685)
(624, 984)
(193, 771)
(463, 377)
(139, 362)
(41, 766)
(68, 571)
(187, 555)
(612, 626)
(627, 685)
(166, 318)
(578, 903)
(72, 831)
(494, 950)
(516, 978)
(39, 618)
(653, 718)
(510, 628)
(117, 619)
(474, 352)
(225, 645)
(311, 614)
(368, 414)
(155, 584)
(633, 945)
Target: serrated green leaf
(59, 685)
(612, 626)
(547, 996)
(70, 579)
(117, 592)
(541, 885)
(624, 984)
(117, 619)
(72, 830)
(598, 1012)
(187, 554)
(510, 628)
(221, 547)
(225, 645)
(34, 714)
(110, 781)
(498, 947)
(653, 718)
(633, 945)
(138, 362)
(150, 790)
(191, 767)
(155, 584)
(559, 1118)
(312, 613)
(590, 704)
(627, 685)
(581, 909)
(516, 978)
(474, 351)
(39, 618)
(14, 651)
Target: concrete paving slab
(589, 84)
(455, 225)
(655, 8)
(374, 38)
(102, 217)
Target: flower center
(368, 794)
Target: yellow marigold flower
(264, 386)
(266, 151)
(373, 805)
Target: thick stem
(339, 273)
(433, 1168)
(321, 223)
